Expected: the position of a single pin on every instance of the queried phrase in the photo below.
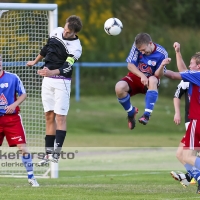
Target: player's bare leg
(185, 179)
(28, 164)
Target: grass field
(99, 121)
(112, 162)
(99, 185)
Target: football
(113, 26)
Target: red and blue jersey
(10, 87)
(194, 90)
(147, 64)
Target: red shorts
(192, 136)
(11, 127)
(183, 140)
(135, 84)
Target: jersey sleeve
(19, 87)
(43, 51)
(55, 31)
(164, 55)
(74, 55)
(181, 89)
(191, 76)
(67, 66)
(133, 56)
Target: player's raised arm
(179, 60)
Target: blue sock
(27, 161)
(150, 100)
(197, 163)
(126, 103)
(194, 172)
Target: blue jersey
(10, 87)
(191, 76)
(147, 64)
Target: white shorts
(56, 95)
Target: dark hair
(75, 23)
(142, 38)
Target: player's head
(195, 62)
(73, 25)
(144, 43)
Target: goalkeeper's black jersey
(59, 50)
(181, 89)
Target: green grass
(101, 121)
(106, 170)
(99, 185)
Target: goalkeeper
(62, 50)
(11, 125)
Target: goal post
(24, 30)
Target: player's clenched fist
(45, 72)
(176, 46)
(166, 61)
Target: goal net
(24, 29)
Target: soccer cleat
(33, 182)
(53, 157)
(144, 119)
(44, 161)
(198, 189)
(181, 178)
(131, 120)
(49, 158)
(193, 181)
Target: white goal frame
(53, 23)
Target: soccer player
(192, 136)
(12, 94)
(144, 61)
(62, 50)
(182, 89)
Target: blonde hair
(196, 56)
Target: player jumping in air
(144, 61)
(62, 50)
(11, 125)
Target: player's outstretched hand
(176, 47)
(166, 61)
(30, 63)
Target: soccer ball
(113, 26)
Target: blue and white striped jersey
(147, 64)
(10, 87)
